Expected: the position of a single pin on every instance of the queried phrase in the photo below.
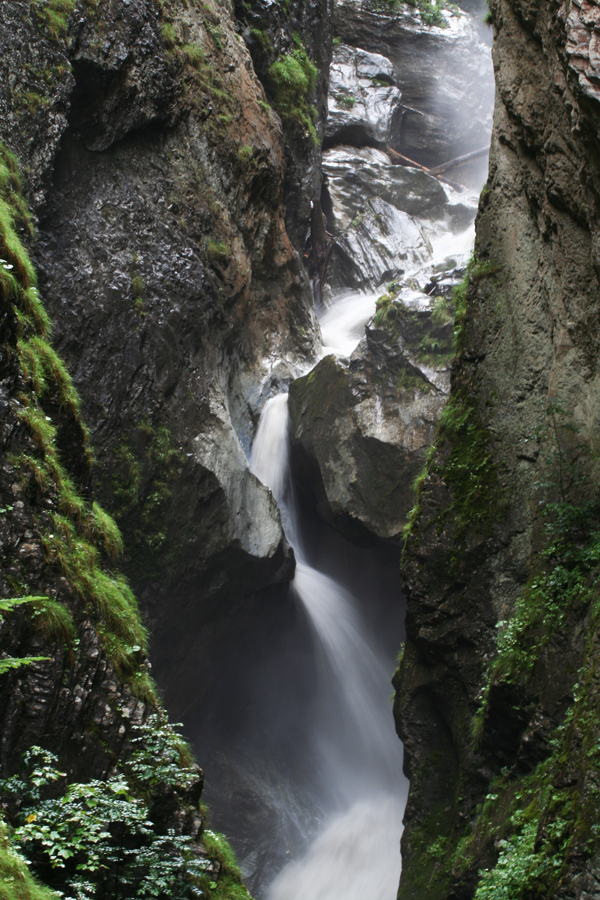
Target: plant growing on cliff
(80, 535)
(100, 838)
(293, 78)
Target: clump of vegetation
(99, 838)
(169, 36)
(218, 251)
(429, 10)
(16, 879)
(194, 54)
(142, 487)
(137, 288)
(293, 78)
(346, 101)
(245, 154)
(55, 15)
(461, 453)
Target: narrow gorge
(298, 385)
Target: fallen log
(405, 161)
(459, 161)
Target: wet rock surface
(530, 341)
(273, 32)
(364, 103)
(382, 216)
(447, 88)
(158, 174)
(360, 427)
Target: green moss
(54, 14)
(81, 535)
(142, 487)
(218, 252)
(54, 620)
(245, 154)
(16, 881)
(169, 36)
(216, 34)
(430, 10)
(292, 80)
(346, 101)
(228, 884)
(194, 54)
(262, 37)
(461, 454)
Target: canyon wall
(159, 176)
(497, 689)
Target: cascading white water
(356, 752)
(343, 320)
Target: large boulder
(354, 175)
(364, 104)
(380, 245)
(444, 72)
(360, 428)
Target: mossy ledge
(80, 543)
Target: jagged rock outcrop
(497, 698)
(381, 217)
(446, 87)
(76, 690)
(291, 45)
(360, 427)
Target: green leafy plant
(10, 662)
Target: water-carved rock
(361, 427)
(444, 73)
(363, 101)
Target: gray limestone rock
(353, 175)
(380, 244)
(361, 427)
(444, 73)
(363, 101)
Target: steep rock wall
(156, 168)
(496, 693)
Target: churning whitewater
(356, 751)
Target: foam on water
(356, 857)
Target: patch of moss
(461, 453)
(142, 487)
(80, 535)
(245, 154)
(228, 884)
(218, 251)
(54, 15)
(16, 881)
(292, 80)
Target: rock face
(360, 427)
(381, 216)
(157, 172)
(496, 695)
(298, 34)
(363, 102)
(444, 75)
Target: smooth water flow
(356, 754)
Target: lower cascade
(355, 748)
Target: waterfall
(356, 752)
